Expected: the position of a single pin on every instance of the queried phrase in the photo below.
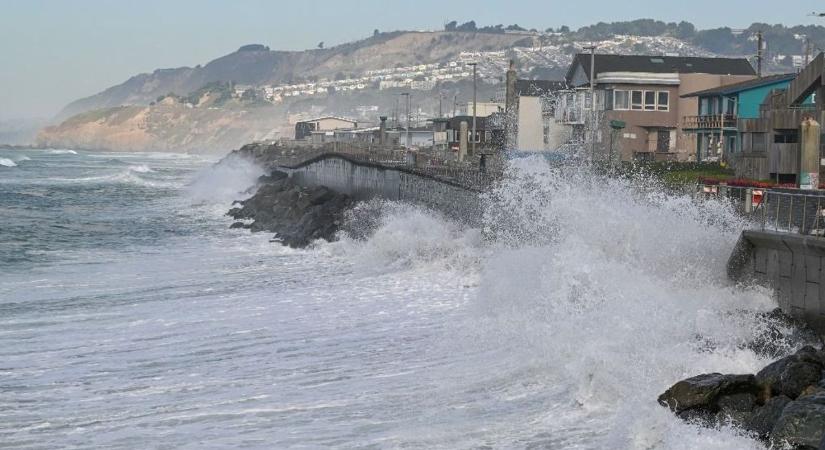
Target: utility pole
(440, 99)
(807, 50)
(759, 53)
(473, 139)
(592, 49)
(455, 103)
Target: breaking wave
(6, 162)
(61, 152)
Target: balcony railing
(715, 121)
(765, 107)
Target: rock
(704, 391)
(238, 225)
(792, 374)
(297, 215)
(736, 408)
(802, 423)
(765, 417)
(779, 330)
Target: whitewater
(131, 316)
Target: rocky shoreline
(297, 215)
(783, 404)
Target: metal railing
(784, 211)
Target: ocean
(131, 316)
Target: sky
(56, 51)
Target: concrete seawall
(363, 180)
(792, 264)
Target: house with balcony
(719, 109)
(769, 146)
(644, 92)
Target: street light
(473, 140)
(592, 49)
(407, 94)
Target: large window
(621, 100)
(641, 100)
(636, 100)
(662, 100)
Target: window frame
(637, 106)
(659, 105)
(616, 103)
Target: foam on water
(61, 152)
(6, 162)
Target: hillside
(257, 65)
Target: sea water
(131, 316)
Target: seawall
(792, 264)
(364, 180)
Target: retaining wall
(792, 264)
(362, 181)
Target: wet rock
(792, 374)
(765, 417)
(779, 330)
(297, 215)
(238, 225)
(736, 408)
(802, 423)
(704, 391)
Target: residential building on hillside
(644, 92)
(719, 109)
(771, 142)
(304, 128)
(483, 109)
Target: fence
(785, 211)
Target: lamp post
(592, 49)
(407, 139)
(473, 139)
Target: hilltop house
(719, 109)
(645, 93)
(305, 128)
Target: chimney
(382, 131)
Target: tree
(450, 26)
(514, 27)
(321, 45)
(375, 32)
(467, 26)
(564, 29)
(685, 30)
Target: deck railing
(715, 121)
(785, 211)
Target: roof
(734, 88)
(533, 88)
(328, 117)
(660, 64)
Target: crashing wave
(61, 152)
(6, 162)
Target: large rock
(704, 391)
(792, 374)
(802, 423)
(765, 417)
(296, 214)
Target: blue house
(719, 110)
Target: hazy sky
(55, 51)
